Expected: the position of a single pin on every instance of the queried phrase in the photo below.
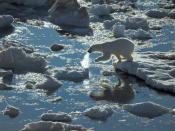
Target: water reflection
(85, 61)
(121, 93)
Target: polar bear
(119, 47)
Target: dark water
(33, 103)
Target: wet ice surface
(33, 103)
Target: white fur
(120, 47)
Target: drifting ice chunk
(118, 30)
(72, 74)
(56, 99)
(48, 83)
(56, 47)
(136, 23)
(141, 35)
(11, 111)
(16, 59)
(147, 109)
(56, 117)
(98, 112)
(51, 126)
(156, 13)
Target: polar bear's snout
(90, 50)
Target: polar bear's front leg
(104, 57)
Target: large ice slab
(157, 69)
(17, 60)
(51, 126)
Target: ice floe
(11, 111)
(118, 30)
(56, 117)
(70, 16)
(7, 44)
(98, 112)
(56, 47)
(156, 13)
(154, 68)
(108, 24)
(148, 109)
(17, 60)
(141, 34)
(101, 10)
(51, 126)
(136, 23)
(48, 83)
(75, 74)
(55, 99)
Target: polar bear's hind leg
(119, 58)
(128, 57)
(104, 57)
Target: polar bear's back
(121, 45)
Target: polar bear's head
(97, 47)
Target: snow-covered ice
(154, 68)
